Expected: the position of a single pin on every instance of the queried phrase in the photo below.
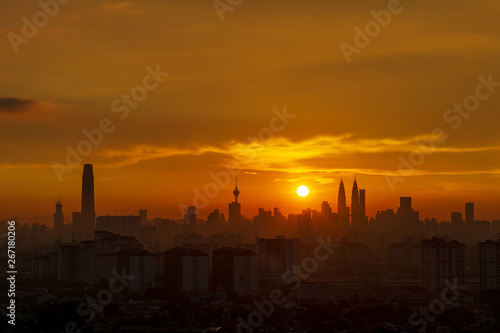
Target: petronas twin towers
(356, 214)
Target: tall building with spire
(235, 207)
(358, 209)
(58, 220)
(354, 203)
(84, 221)
(342, 209)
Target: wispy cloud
(314, 158)
(136, 154)
(282, 154)
(9, 166)
(120, 7)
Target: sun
(302, 190)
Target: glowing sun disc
(302, 191)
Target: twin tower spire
(356, 213)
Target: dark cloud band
(12, 104)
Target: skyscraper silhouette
(58, 220)
(457, 223)
(84, 221)
(358, 218)
(191, 217)
(326, 210)
(354, 204)
(470, 231)
(88, 191)
(213, 220)
(342, 209)
(469, 213)
(408, 217)
(362, 203)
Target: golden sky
(225, 79)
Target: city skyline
(212, 86)
(347, 216)
(239, 166)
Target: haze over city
(224, 80)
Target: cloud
(281, 154)
(136, 154)
(9, 166)
(14, 105)
(318, 154)
(122, 7)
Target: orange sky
(225, 79)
